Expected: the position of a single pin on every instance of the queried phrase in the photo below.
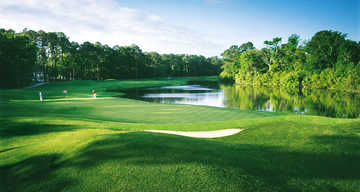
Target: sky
(201, 27)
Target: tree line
(328, 60)
(50, 56)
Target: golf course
(75, 142)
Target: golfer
(94, 93)
(41, 98)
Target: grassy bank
(76, 143)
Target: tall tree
(231, 59)
(323, 49)
(273, 54)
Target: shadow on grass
(346, 144)
(264, 168)
(34, 174)
(12, 128)
(9, 149)
(273, 165)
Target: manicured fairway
(76, 143)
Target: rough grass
(76, 143)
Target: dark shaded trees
(17, 59)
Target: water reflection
(189, 94)
(184, 88)
(316, 102)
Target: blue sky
(205, 27)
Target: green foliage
(56, 58)
(324, 48)
(17, 59)
(327, 61)
(251, 61)
(232, 59)
(290, 79)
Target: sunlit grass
(77, 143)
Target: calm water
(316, 102)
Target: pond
(316, 102)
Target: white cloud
(108, 23)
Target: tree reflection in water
(315, 102)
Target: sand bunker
(200, 134)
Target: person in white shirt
(41, 97)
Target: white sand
(200, 134)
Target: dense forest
(50, 56)
(328, 60)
